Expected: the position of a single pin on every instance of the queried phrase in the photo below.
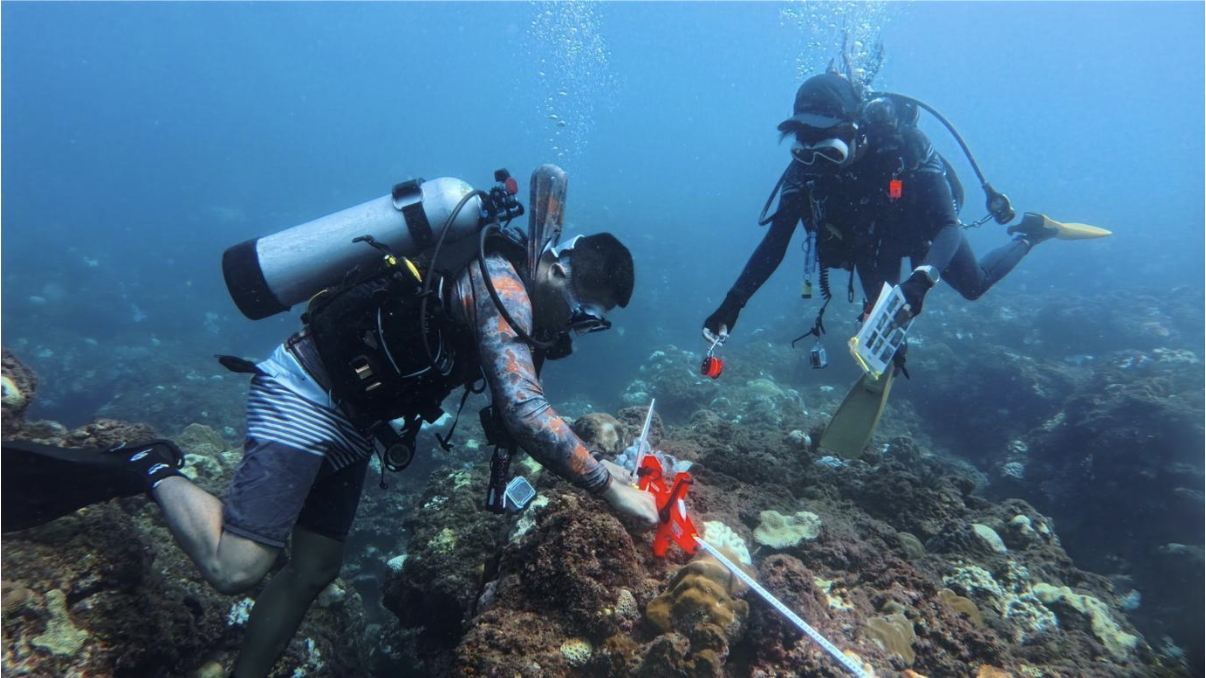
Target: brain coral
(702, 592)
(723, 537)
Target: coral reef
(702, 592)
(601, 432)
(939, 552)
(781, 532)
(20, 388)
(894, 634)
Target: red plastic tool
(674, 525)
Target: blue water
(140, 140)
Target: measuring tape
(829, 647)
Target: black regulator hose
(502, 309)
(947, 123)
(998, 204)
(427, 279)
(763, 220)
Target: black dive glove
(725, 315)
(914, 289)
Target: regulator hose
(427, 279)
(502, 309)
(946, 123)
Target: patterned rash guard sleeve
(507, 363)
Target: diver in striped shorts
(310, 434)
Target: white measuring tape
(829, 647)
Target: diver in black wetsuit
(870, 186)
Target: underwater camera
(817, 357)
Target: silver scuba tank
(267, 275)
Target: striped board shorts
(303, 462)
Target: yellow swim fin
(1040, 227)
(856, 418)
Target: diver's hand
(718, 325)
(627, 500)
(916, 286)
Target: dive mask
(835, 151)
(584, 318)
(833, 142)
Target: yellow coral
(779, 531)
(894, 633)
(61, 638)
(837, 600)
(865, 665)
(1118, 642)
(444, 542)
(962, 605)
(577, 651)
(701, 592)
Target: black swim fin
(43, 482)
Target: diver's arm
(764, 261)
(769, 253)
(940, 226)
(936, 210)
(518, 394)
(943, 247)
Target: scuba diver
(871, 190)
(378, 352)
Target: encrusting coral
(780, 532)
(895, 634)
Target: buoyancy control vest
(368, 334)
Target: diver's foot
(1035, 228)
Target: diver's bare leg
(313, 564)
(230, 563)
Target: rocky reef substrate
(1043, 519)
